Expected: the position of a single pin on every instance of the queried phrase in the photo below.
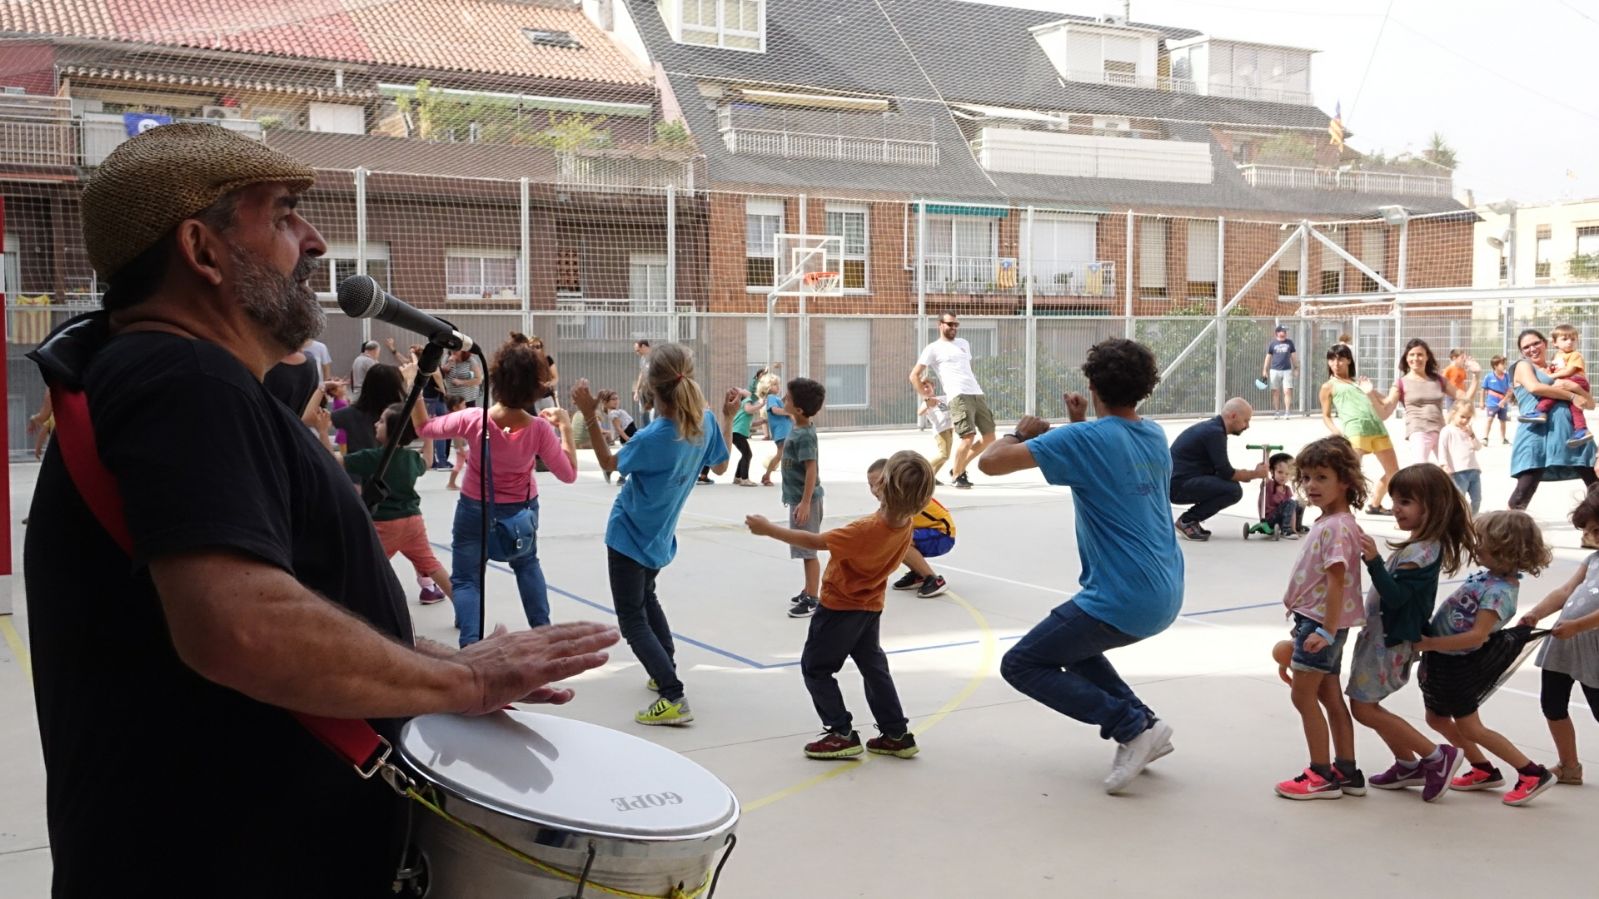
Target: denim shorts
(1331, 657)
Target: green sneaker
(666, 712)
(652, 686)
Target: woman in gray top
(464, 378)
(1422, 391)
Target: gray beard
(291, 314)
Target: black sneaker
(931, 586)
(803, 605)
(1353, 784)
(963, 482)
(1192, 531)
(910, 581)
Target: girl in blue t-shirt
(661, 463)
(1509, 544)
(778, 421)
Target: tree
(1439, 152)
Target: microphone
(361, 297)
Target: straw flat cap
(157, 179)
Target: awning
(978, 111)
(995, 212)
(124, 77)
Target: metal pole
(803, 369)
(671, 262)
(921, 269)
(1510, 263)
(1248, 285)
(360, 239)
(1127, 277)
(1030, 403)
(524, 267)
(1221, 313)
(1304, 278)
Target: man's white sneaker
(1132, 757)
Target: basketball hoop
(822, 282)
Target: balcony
(36, 131)
(990, 275)
(613, 321)
(838, 136)
(1092, 156)
(620, 171)
(1389, 183)
(104, 132)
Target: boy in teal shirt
(801, 492)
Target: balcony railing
(1092, 156)
(36, 131)
(991, 275)
(1294, 177)
(838, 136)
(103, 132)
(613, 321)
(619, 171)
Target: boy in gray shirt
(801, 492)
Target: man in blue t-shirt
(1280, 365)
(1119, 469)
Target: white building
(1551, 244)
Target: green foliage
(1288, 148)
(1584, 267)
(1439, 152)
(574, 131)
(673, 135)
(440, 117)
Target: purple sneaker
(1398, 777)
(1440, 774)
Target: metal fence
(1024, 363)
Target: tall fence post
(672, 329)
(803, 368)
(1221, 313)
(1127, 286)
(1304, 277)
(360, 240)
(921, 270)
(524, 265)
(1030, 402)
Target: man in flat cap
(257, 586)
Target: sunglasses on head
(950, 324)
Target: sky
(1509, 85)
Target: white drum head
(569, 775)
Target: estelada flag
(1335, 127)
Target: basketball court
(1005, 797)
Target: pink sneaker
(1309, 785)
(1528, 786)
(1477, 778)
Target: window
(1288, 271)
(1588, 240)
(730, 24)
(480, 274)
(1063, 249)
(763, 221)
(1585, 265)
(1119, 72)
(849, 222)
(338, 118)
(1152, 258)
(1542, 261)
(1278, 74)
(755, 344)
(338, 263)
(1332, 264)
(1374, 254)
(544, 38)
(849, 353)
(1201, 258)
(11, 268)
(962, 253)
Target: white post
(524, 265)
(802, 367)
(671, 262)
(1030, 402)
(1221, 313)
(360, 239)
(1304, 278)
(921, 270)
(1127, 278)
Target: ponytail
(671, 378)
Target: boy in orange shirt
(861, 556)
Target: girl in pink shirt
(517, 440)
(1324, 601)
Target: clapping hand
(1076, 406)
(583, 399)
(1031, 426)
(730, 401)
(557, 416)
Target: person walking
(950, 357)
(1281, 366)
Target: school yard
(1005, 797)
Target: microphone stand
(426, 364)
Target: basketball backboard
(809, 265)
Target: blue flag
(139, 122)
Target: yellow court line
(19, 649)
(990, 649)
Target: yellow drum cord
(678, 892)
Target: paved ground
(1005, 798)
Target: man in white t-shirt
(950, 357)
(318, 350)
(362, 364)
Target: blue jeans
(441, 447)
(1061, 663)
(466, 550)
(1470, 483)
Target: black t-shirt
(161, 783)
(294, 385)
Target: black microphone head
(360, 296)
